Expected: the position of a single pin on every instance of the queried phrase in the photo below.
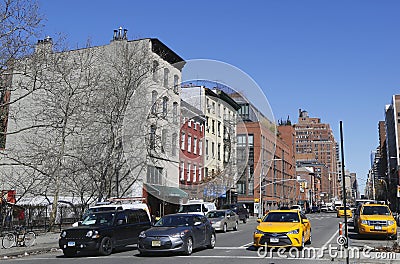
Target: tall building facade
(268, 179)
(315, 144)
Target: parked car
(177, 233)
(239, 209)
(104, 231)
(197, 207)
(283, 228)
(222, 220)
(325, 208)
(297, 207)
(377, 220)
(315, 209)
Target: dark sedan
(177, 233)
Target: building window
(183, 141)
(176, 84)
(174, 141)
(199, 178)
(200, 147)
(154, 70)
(219, 151)
(152, 137)
(188, 172)
(164, 133)
(194, 172)
(182, 171)
(154, 175)
(207, 148)
(166, 73)
(165, 106)
(219, 128)
(189, 144)
(175, 112)
(208, 105)
(212, 149)
(195, 145)
(213, 127)
(154, 96)
(189, 124)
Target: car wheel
(394, 237)
(212, 242)
(69, 252)
(189, 246)
(105, 248)
(235, 228)
(310, 239)
(225, 228)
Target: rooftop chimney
(119, 35)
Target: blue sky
(339, 60)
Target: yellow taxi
(340, 212)
(376, 219)
(283, 228)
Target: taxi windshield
(282, 217)
(375, 210)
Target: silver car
(222, 220)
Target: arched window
(152, 136)
(175, 112)
(154, 70)
(165, 106)
(166, 73)
(154, 95)
(176, 84)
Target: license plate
(156, 243)
(274, 240)
(71, 244)
(378, 228)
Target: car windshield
(98, 219)
(216, 214)
(190, 208)
(342, 208)
(282, 217)
(175, 220)
(375, 210)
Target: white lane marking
(251, 257)
(330, 239)
(247, 245)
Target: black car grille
(377, 223)
(284, 240)
(76, 234)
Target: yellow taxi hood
(376, 217)
(277, 227)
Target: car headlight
(92, 234)
(142, 234)
(63, 234)
(293, 232)
(364, 222)
(258, 232)
(178, 235)
(217, 223)
(390, 222)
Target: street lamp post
(260, 207)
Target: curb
(28, 251)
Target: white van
(111, 206)
(197, 207)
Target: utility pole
(346, 245)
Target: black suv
(104, 231)
(239, 209)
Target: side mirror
(120, 221)
(197, 223)
(259, 220)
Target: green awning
(160, 191)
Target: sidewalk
(44, 242)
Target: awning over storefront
(161, 192)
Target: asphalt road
(235, 247)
